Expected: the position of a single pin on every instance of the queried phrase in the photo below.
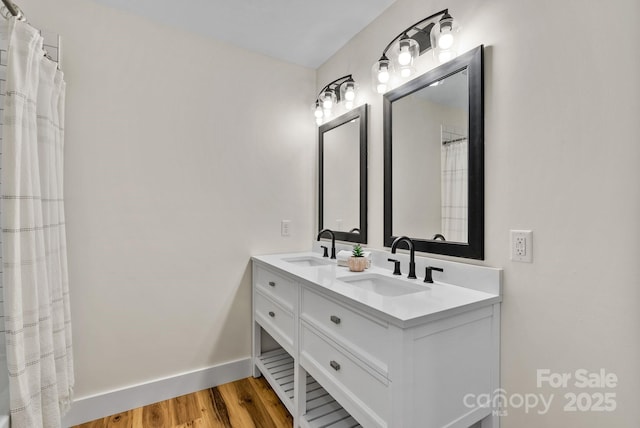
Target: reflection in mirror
(434, 159)
(343, 176)
(431, 155)
(341, 193)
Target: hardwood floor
(247, 403)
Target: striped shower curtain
(455, 185)
(36, 291)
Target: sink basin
(383, 285)
(307, 261)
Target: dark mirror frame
(356, 113)
(474, 248)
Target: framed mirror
(434, 159)
(342, 194)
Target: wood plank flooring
(247, 403)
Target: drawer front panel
(277, 287)
(361, 335)
(369, 391)
(274, 318)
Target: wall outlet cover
(522, 246)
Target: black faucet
(324, 254)
(333, 241)
(428, 273)
(412, 254)
(396, 266)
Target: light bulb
(446, 39)
(404, 57)
(405, 72)
(349, 94)
(383, 74)
(318, 112)
(327, 99)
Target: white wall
(182, 156)
(562, 100)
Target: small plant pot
(357, 264)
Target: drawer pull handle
(334, 365)
(272, 314)
(272, 283)
(335, 319)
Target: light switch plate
(522, 246)
(285, 228)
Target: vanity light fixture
(428, 33)
(341, 91)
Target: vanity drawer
(277, 321)
(277, 287)
(362, 335)
(368, 391)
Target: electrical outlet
(522, 246)
(285, 228)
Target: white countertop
(438, 300)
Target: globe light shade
(328, 99)
(318, 113)
(444, 39)
(348, 91)
(381, 73)
(404, 53)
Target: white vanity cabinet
(275, 303)
(363, 368)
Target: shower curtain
(454, 185)
(36, 292)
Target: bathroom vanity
(372, 349)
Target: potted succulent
(357, 261)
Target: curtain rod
(13, 9)
(444, 143)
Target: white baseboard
(97, 406)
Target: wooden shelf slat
(323, 411)
(277, 368)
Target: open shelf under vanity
(278, 369)
(322, 410)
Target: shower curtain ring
(6, 13)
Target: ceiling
(304, 32)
